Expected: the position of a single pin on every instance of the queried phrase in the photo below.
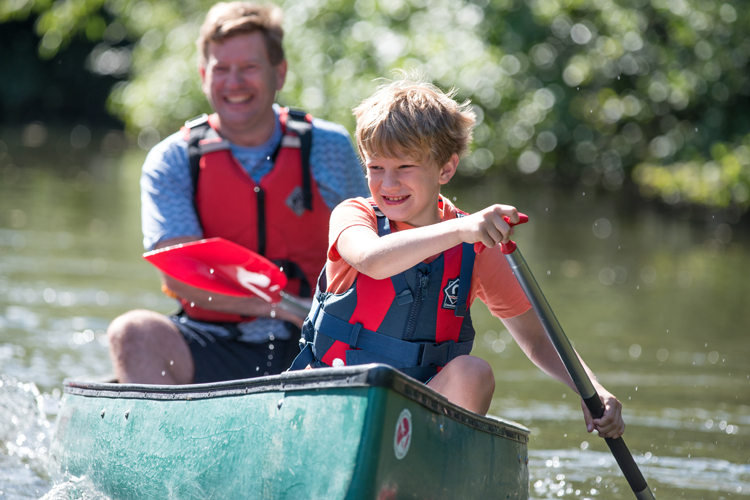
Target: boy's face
(407, 190)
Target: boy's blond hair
(228, 19)
(410, 118)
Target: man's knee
(133, 328)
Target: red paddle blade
(220, 266)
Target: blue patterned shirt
(167, 209)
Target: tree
(591, 91)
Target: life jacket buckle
(436, 354)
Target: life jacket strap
(401, 353)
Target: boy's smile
(407, 190)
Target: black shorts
(217, 359)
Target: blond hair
(228, 19)
(414, 119)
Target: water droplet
(548, 273)
(163, 373)
(210, 298)
(192, 304)
(268, 158)
(171, 363)
(211, 271)
(618, 77)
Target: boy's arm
(381, 258)
(531, 337)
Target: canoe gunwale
(372, 375)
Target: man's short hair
(228, 19)
(410, 118)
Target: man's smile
(238, 99)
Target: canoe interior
(326, 433)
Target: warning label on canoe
(402, 437)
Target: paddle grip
(507, 248)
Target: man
(241, 174)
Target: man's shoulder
(173, 149)
(329, 130)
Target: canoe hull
(333, 434)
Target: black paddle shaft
(579, 376)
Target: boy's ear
(449, 169)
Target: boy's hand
(488, 226)
(611, 424)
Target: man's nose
(235, 76)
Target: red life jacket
(416, 321)
(283, 217)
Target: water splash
(25, 432)
(75, 488)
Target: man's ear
(448, 170)
(281, 69)
(202, 72)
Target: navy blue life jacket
(416, 321)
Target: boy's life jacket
(416, 321)
(283, 217)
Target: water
(655, 303)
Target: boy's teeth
(398, 198)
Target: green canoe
(362, 432)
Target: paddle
(569, 358)
(221, 266)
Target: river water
(655, 301)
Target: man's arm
(529, 333)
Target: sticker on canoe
(402, 437)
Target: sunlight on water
(655, 304)
(588, 474)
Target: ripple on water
(588, 474)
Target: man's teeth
(237, 99)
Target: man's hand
(488, 226)
(611, 424)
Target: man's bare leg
(467, 381)
(147, 348)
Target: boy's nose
(390, 180)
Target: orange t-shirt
(492, 280)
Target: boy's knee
(474, 369)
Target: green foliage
(587, 90)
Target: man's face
(240, 82)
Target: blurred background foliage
(653, 94)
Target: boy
(401, 271)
